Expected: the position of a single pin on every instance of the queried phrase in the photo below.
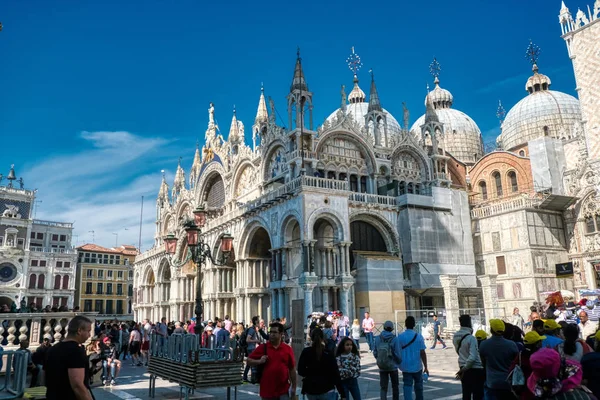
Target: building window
(522, 153)
(109, 288)
(32, 235)
(90, 273)
(39, 236)
(87, 305)
(65, 282)
(498, 183)
(109, 274)
(88, 290)
(99, 288)
(63, 238)
(109, 306)
(501, 265)
(119, 289)
(119, 306)
(130, 274)
(500, 289)
(512, 179)
(589, 225)
(59, 264)
(100, 273)
(57, 282)
(34, 263)
(120, 274)
(67, 264)
(98, 306)
(130, 291)
(41, 281)
(42, 263)
(32, 281)
(55, 238)
(483, 190)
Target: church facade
(364, 213)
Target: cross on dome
(434, 69)
(501, 112)
(354, 62)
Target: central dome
(543, 112)
(462, 135)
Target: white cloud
(100, 185)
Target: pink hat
(547, 379)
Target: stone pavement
(133, 382)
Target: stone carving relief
(245, 182)
(406, 168)
(277, 163)
(11, 211)
(342, 151)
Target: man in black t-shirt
(66, 366)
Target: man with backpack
(411, 346)
(250, 339)
(471, 373)
(388, 360)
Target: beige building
(105, 279)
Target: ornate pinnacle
(435, 68)
(501, 112)
(533, 53)
(354, 62)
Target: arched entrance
(365, 237)
(220, 283)
(255, 273)
(164, 290)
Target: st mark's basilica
(366, 213)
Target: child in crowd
(348, 361)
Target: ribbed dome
(463, 137)
(441, 98)
(358, 111)
(542, 113)
(356, 95)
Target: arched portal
(365, 237)
(327, 264)
(214, 192)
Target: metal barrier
(15, 378)
(424, 317)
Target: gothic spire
(262, 116)
(163, 192)
(298, 83)
(430, 114)
(196, 166)
(374, 103)
(234, 130)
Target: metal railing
(185, 348)
(15, 378)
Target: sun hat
(497, 325)
(481, 334)
(551, 325)
(532, 337)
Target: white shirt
(588, 329)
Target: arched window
(41, 281)
(65, 282)
(363, 184)
(57, 282)
(483, 190)
(32, 279)
(353, 183)
(512, 180)
(498, 182)
(546, 131)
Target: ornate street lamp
(200, 251)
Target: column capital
(448, 280)
(487, 279)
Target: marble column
(261, 275)
(253, 272)
(489, 289)
(219, 311)
(247, 315)
(260, 304)
(344, 300)
(274, 310)
(325, 294)
(335, 299)
(308, 297)
(284, 263)
(312, 257)
(450, 300)
(281, 303)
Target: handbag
(517, 378)
(258, 371)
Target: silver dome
(542, 113)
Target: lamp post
(200, 251)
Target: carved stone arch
(251, 225)
(416, 153)
(385, 228)
(169, 224)
(364, 146)
(333, 217)
(163, 265)
(148, 274)
(181, 208)
(269, 152)
(588, 205)
(285, 225)
(207, 174)
(238, 171)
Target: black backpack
(243, 338)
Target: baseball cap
(497, 325)
(532, 337)
(106, 339)
(388, 325)
(481, 334)
(551, 325)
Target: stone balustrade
(16, 327)
(515, 203)
(373, 199)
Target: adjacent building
(363, 213)
(105, 279)
(37, 261)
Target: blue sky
(99, 96)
